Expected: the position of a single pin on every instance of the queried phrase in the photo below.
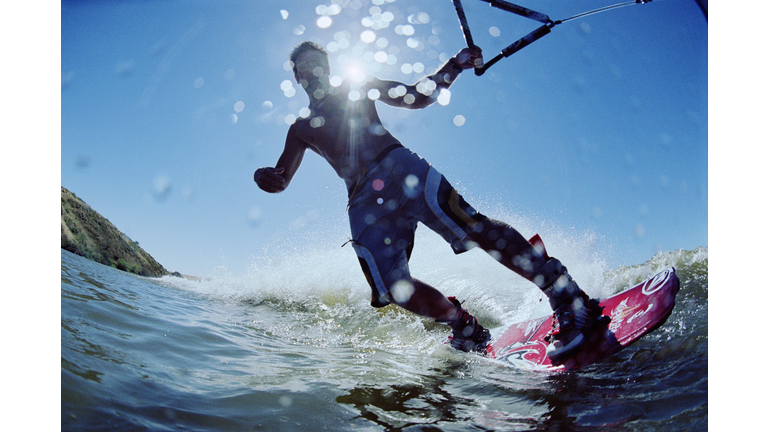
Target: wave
(317, 283)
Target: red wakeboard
(633, 313)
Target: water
(294, 346)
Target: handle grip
(516, 46)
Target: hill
(86, 233)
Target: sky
(600, 128)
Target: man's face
(311, 65)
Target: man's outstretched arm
(425, 92)
(277, 179)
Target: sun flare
(355, 69)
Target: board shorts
(393, 194)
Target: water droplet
(316, 122)
(254, 216)
(639, 230)
(444, 98)
(162, 187)
(368, 36)
(324, 22)
(374, 94)
(402, 291)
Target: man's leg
(383, 223)
(570, 303)
(507, 246)
(388, 274)
(441, 208)
(425, 300)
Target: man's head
(306, 56)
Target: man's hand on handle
(468, 58)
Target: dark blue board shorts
(384, 208)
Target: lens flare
(324, 22)
(367, 36)
(355, 70)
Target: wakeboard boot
(574, 312)
(468, 335)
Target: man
(391, 188)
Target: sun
(355, 69)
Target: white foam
(315, 266)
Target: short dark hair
(302, 48)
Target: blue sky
(600, 128)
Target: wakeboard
(633, 313)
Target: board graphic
(633, 313)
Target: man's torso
(344, 128)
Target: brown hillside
(86, 233)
